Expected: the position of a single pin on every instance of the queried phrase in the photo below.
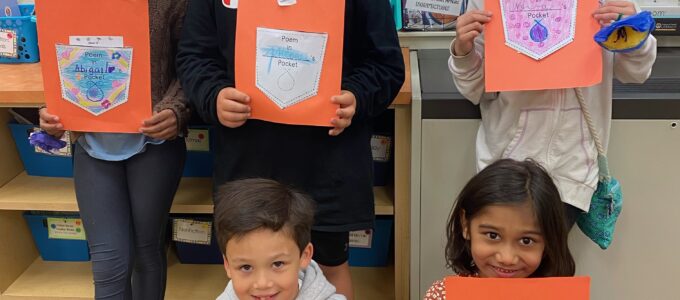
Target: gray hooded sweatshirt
(314, 286)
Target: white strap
(602, 163)
(589, 121)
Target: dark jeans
(124, 206)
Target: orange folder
(57, 20)
(553, 288)
(326, 16)
(578, 64)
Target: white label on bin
(64, 151)
(65, 229)
(380, 146)
(361, 238)
(198, 140)
(447, 7)
(96, 41)
(8, 43)
(191, 231)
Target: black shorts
(330, 248)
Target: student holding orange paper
(507, 222)
(333, 164)
(125, 182)
(546, 125)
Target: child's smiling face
(506, 240)
(264, 265)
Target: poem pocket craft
(538, 28)
(94, 79)
(289, 64)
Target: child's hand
(348, 106)
(614, 10)
(161, 126)
(469, 26)
(232, 107)
(50, 123)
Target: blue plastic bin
(199, 163)
(378, 253)
(26, 35)
(39, 164)
(55, 249)
(189, 253)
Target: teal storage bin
(375, 248)
(39, 164)
(199, 160)
(24, 27)
(56, 249)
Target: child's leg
(153, 177)
(331, 252)
(102, 195)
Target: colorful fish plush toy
(626, 34)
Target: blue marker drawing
(538, 32)
(291, 54)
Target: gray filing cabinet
(644, 155)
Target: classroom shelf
(194, 195)
(21, 85)
(72, 280)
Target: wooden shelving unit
(73, 280)
(25, 276)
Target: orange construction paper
(553, 288)
(59, 19)
(578, 64)
(326, 16)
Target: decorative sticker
(191, 231)
(288, 64)
(8, 43)
(94, 79)
(65, 229)
(538, 28)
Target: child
(507, 223)
(264, 229)
(545, 125)
(125, 183)
(334, 166)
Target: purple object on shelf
(45, 141)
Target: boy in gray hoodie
(264, 231)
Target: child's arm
(466, 62)
(200, 66)
(376, 81)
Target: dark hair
(246, 205)
(507, 181)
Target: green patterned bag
(605, 206)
